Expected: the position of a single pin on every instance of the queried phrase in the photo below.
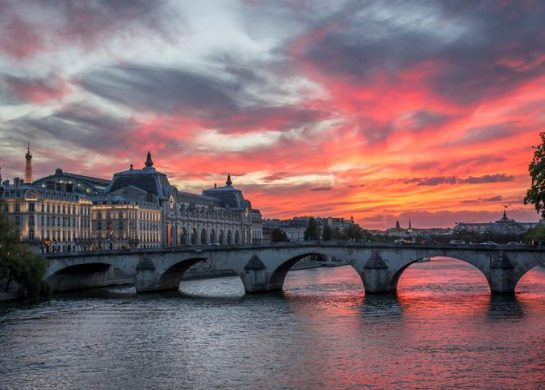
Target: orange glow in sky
(380, 110)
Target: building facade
(138, 208)
(503, 226)
(53, 221)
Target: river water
(441, 330)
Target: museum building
(137, 208)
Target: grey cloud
(486, 133)
(221, 103)
(19, 90)
(321, 189)
(434, 181)
(471, 66)
(497, 178)
(80, 23)
(163, 89)
(414, 122)
(497, 198)
(438, 180)
(80, 124)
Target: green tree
(327, 233)
(353, 232)
(278, 235)
(536, 235)
(19, 264)
(312, 233)
(337, 234)
(536, 193)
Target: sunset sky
(383, 110)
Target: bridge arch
(474, 266)
(520, 275)
(171, 277)
(79, 276)
(278, 276)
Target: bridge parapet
(264, 267)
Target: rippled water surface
(441, 329)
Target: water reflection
(504, 306)
(441, 329)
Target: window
(31, 207)
(31, 220)
(99, 225)
(120, 225)
(31, 234)
(17, 207)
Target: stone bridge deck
(263, 268)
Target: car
(488, 243)
(401, 241)
(457, 242)
(514, 243)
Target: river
(441, 330)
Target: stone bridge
(264, 268)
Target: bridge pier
(256, 278)
(502, 275)
(150, 279)
(147, 279)
(376, 276)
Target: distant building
(503, 226)
(412, 234)
(295, 227)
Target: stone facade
(137, 209)
(48, 219)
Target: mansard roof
(188, 197)
(87, 185)
(147, 179)
(131, 194)
(228, 196)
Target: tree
(312, 233)
(536, 235)
(327, 233)
(536, 193)
(18, 263)
(278, 235)
(353, 233)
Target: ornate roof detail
(149, 161)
